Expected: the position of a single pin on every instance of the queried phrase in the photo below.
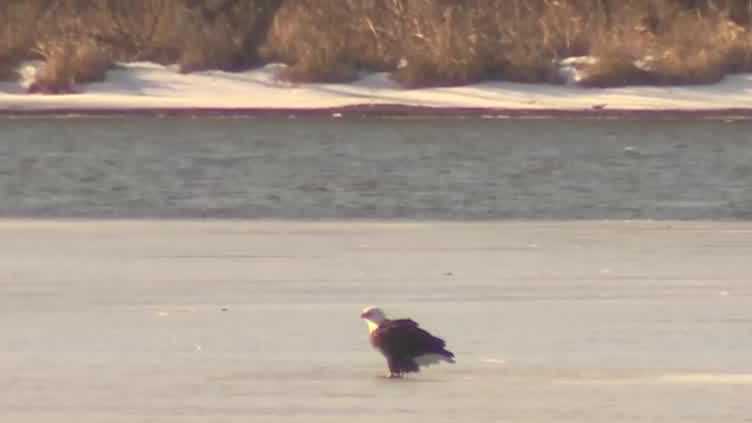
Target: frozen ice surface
(166, 321)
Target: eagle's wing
(403, 338)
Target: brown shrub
(227, 36)
(10, 58)
(213, 49)
(68, 64)
(678, 49)
(616, 70)
(525, 60)
(91, 63)
(560, 28)
(17, 29)
(522, 66)
(319, 68)
(735, 42)
(617, 56)
(442, 42)
(681, 67)
(462, 42)
(532, 36)
(7, 69)
(330, 40)
(316, 45)
(449, 44)
(691, 50)
(56, 76)
(738, 56)
(424, 72)
(132, 30)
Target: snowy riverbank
(147, 87)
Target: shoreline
(394, 111)
(148, 89)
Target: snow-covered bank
(150, 87)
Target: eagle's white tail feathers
(431, 359)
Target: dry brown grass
(328, 40)
(56, 76)
(615, 70)
(10, 57)
(90, 63)
(735, 42)
(319, 68)
(7, 69)
(9, 60)
(133, 30)
(208, 49)
(680, 48)
(226, 36)
(68, 64)
(680, 67)
(535, 35)
(738, 57)
(691, 50)
(446, 46)
(17, 28)
(437, 42)
(617, 56)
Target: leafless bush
(135, 30)
(668, 47)
(57, 75)
(68, 64)
(17, 28)
(329, 40)
(226, 35)
(423, 42)
(7, 69)
(447, 44)
(691, 50)
(734, 42)
(213, 48)
(9, 59)
(738, 55)
(617, 68)
(90, 63)
(623, 56)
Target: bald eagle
(405, 345)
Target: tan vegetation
(222, 34)
(17, 20)
(68, 64)
(7, 67)
(421, 42)
(329, 40)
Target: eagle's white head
(373, 316)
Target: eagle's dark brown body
(406, 346)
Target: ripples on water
(310, 169)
